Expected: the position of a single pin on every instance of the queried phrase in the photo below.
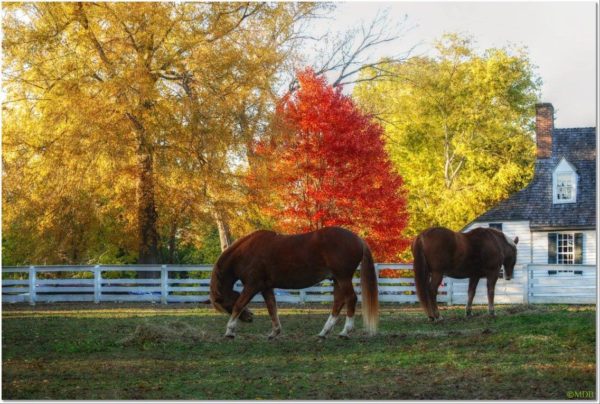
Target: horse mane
(501, 235)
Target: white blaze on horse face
(349, 326)
(328, 325)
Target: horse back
(280, 260)
(442, 246)
(329, 247)
(447, 252)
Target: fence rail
(190, 283)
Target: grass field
(144, 351)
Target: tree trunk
(172, 244)
(147, 216)
(223, 227)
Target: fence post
(302, 296)
(164, 277)
(97, 284)
(527, 287)
(449, 290)
(32, 280)
(377, 269)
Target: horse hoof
(230, 336)
(322, 337)
(343, 336)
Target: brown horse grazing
(265, 260)
(479, 253)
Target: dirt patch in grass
(527, 308)
(440, 333)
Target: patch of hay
(149, 333)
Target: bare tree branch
(352, 53)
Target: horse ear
(516, 241)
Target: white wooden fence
(531, 284)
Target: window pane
(564, 186)
(497, 226)
(565, 248)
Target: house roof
(534, 202)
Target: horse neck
(504, 245)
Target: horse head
(510, 258)
(224, 302)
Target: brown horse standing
(265, 260)
(479, 253)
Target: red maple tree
(329, 168)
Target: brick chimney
(544, 125)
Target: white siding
(506, 292)
(540, 247)
(512, 230)
(589, 247)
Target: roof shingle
(534, 202)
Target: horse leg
(269, 297)
(241, 303)
(491, 286)
(350, 299)
(472, 288)
(436, 280)
(338, 303)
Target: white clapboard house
(554, 216)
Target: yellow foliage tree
(124, 124)
(458, 127)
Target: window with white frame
(565, 248)
(564, 183)
(564, 186)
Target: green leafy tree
(458, 127)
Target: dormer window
(564, 186)
(564, 183)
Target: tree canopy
(328, 167)
(458, 127)
(123, 126)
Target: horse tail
(421, 270)
(369, 292)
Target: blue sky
(559, 36)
